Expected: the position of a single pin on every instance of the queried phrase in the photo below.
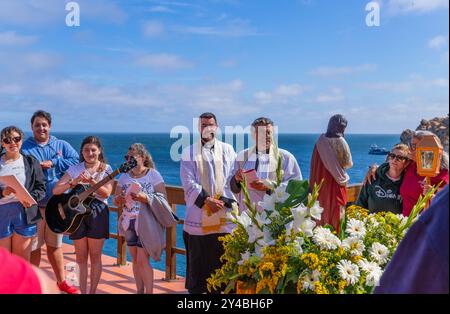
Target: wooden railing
(175, 196)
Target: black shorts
(94, 226)
(202, 259)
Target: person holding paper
(259, 163)
(133, 190)
(205, 169)
(55, 157)
(18, 217)
(94, 229)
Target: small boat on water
(375, 150)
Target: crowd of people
(211, 173)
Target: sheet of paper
(21, 193)
(250, 176)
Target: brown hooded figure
(331, 157)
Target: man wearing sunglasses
(383, 194)
(55, 157)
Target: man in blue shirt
(55, 157)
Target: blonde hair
(403, 148)
(140, 149)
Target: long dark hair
(95, 141)
(8, 131)
(336, 126)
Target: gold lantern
(428, 156)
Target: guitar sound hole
(74, 202)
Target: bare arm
(63, 184)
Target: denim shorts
(93, 226)
(131, 236)
(14, 219)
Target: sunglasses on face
(397, 157)
(16, 140)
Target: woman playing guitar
(94, 229)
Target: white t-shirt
(147, 183)
(76, 170)
(16, 168)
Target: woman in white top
(94, 229)
(132, 192)
(18, 217)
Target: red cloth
(411, 188)
(331, 196)
(17, 276)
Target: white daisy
(308, 280)
(354, 245)
(379, 253)
(373, 276)
(348, 272)
(355, 228)
(316, 211)
(325, 239)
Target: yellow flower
(320, 288)
(342, 284)
(310, 259)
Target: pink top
(411, 188)
(17, 276)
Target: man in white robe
(205, 169)
(263, 158)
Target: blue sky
(150, 65)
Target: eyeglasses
(16, 140)
(397, 157)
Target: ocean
(159, 145)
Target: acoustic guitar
(64, 213)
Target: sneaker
(64, 287)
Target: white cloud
(414, 83)
(42, 60)
(161, 9)
(282, 94)
(326, 71)
(335, 95)
(230, 63)
(263, 97)
(289, 90)
(232, 28)
(32, 13)
(11, 89)
(396, 7)
(437, 42)
(153, 29)
(163, 61)
(11, 38)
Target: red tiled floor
(117, 279)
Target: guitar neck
(98, 185)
